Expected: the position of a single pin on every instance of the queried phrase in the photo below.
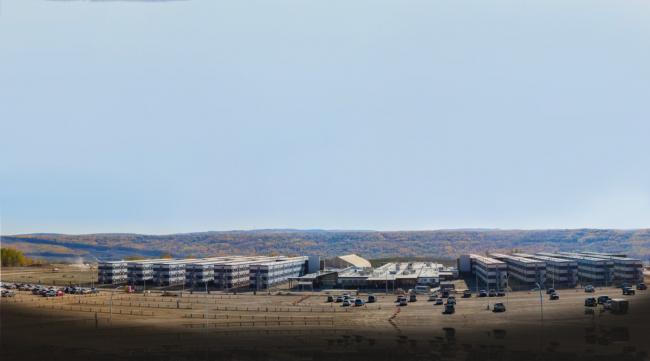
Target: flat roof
(545, 258)
(486, 260)
(517, 258)
(573, 256)
(356, 261)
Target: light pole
(507, 289)
(541, 308)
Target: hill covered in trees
(439, 244)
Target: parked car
(467, 294)
(499, 307)
(339, 299)
(641, 286)
(590, 302)
(603, 299)
(589, 288)
(8, 293)
(439, 301)
(403, 302)
(445, 293)
(449, 309)
(358, 302)
(412, 297)
(482, 293)
(49, 293)
(554, 296)
(608, 304)
(451, 301)
(628, 291)
(550, 291)
(372, 298)
(501, 293)
(59, 293)
(346, 303)
(492, 293)
(330, 299)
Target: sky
(182, 116)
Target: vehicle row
(347, 300)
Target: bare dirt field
(56, 274)
(114, 324)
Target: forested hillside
(371, 244)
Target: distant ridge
(445, 243)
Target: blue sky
(161, 117)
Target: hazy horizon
(336, 230)
(172, 117)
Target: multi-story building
(169, 272)
(560, 272)
(112, 272)
(271, 273)
(141, 271)
(523, 271)
(235, 273)
(591, 270)
(626, 269)
(488, 271)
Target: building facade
(112, 272)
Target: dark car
(372, 298)
(492, 293)
(499, 307)
(641, 286)
(501, 293)
(590, 302)
(330, 299)
(339, 299)
(358, 302)
(554, 296)
(603, 299)
(467, 294)
(449, 309)
(412, 297)
(589, 288)
(482, 293)
(628, 291)
(550, 291)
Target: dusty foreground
(303, 326)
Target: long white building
(112, 272)
(141, 271)
(523, 271)
(169, 273)
(626, 269)
(597, 271)
(560, 272)
(489, 272)
(271, 273)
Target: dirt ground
(56, 274)
(115, 325)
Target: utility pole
(541, 308)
